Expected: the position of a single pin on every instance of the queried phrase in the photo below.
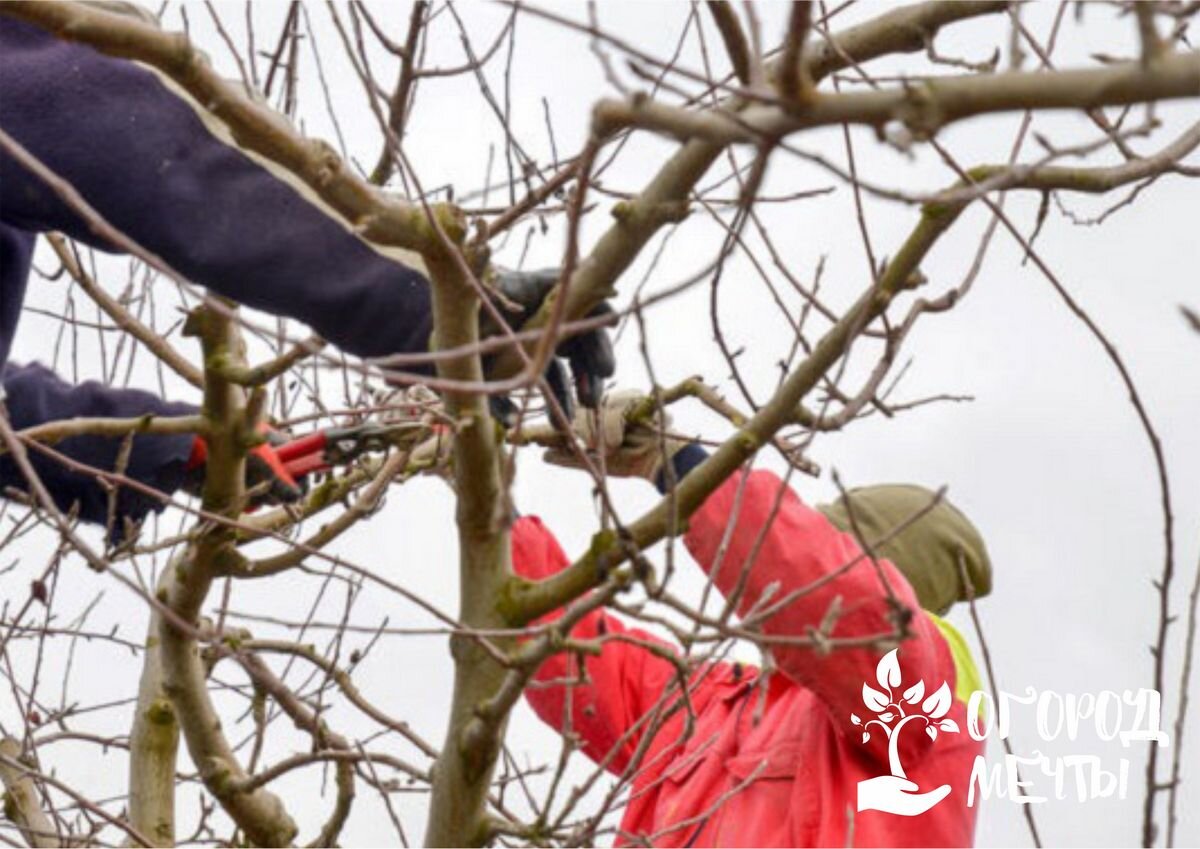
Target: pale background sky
(1048, 460)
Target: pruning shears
(321, 450)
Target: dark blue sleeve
(16, 255)
(140, 154)
(684, 460)
(36, 395)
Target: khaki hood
(927, 551)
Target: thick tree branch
(268, 371)
(84, 803)
(907, 29)
(153, 745)
(793, 82)
(989, 178)
(259, 813)
(731, 34)
(21, 803)
(52, 432)
(923, 107)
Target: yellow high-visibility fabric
(964, 665)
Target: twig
(793, 83)
(153, 341)
(733, 37)
(993, 686)
(398, 107)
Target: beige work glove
(629, 449)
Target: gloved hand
(263, 466)
(589, 355)
(630, 449)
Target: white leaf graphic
(914, 693)
(888, 716)
(888, 670)
(948, 725)
(931, 731)
(938, 705)
(874, 699)
(854, 718)
(866, 736)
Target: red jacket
(790, 780)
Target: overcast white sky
(1048, 459)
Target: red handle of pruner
(310, 444)
(305, 455)
(307, 465)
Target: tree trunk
(153, 748)
(463, 773)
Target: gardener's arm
(782, 554)
(35, 395)
(764, 547)
(618, 695)
(621, 684)
(163, 171)
(157, 464)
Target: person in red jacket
(779, 762)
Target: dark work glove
(589, 355)
(264, 471)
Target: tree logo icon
(895, 793)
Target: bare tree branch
(735, 40)
(923, 109)
(259, 813)
(21, 798)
